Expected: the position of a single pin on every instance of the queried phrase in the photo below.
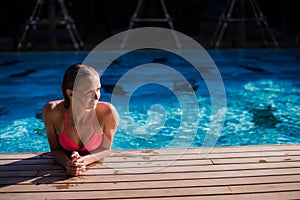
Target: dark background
(97, 20)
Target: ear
(69, 93)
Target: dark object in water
(254, 69)
(117, 89)
(30, 71)
(160, 60)
(185, 87)
(12, 62)
(39, 115)
(263, 116)
(252, 57)
(116, 61)
(3, 111)
(40, 132)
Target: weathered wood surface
(247, 172)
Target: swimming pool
(262, 89)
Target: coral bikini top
(69, 145)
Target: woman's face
(87, 93)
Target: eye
(91, 92)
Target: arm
(48, 116)
(110, 118)
(58, 153)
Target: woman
(80, 129)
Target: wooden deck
(252, 172)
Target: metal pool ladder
(135, 18)
(68, 22)
(226, 18)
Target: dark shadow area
(98, 20)
(263, 116)
(39, 169)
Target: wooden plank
(123, 193)
(265, 196)
(216, 152)
(265, 188)
(83, 186)
(206, 168)
(164, 154)
(22, 156)
(268, 159)
(35, 164)
(27, 162)
(192, 162)
(158, 192)
(105, 178)
(50, 162)
(32, 173)
(123, 165)
(29, 167)
(85, 195)
(161, 169)
(131, 157)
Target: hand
(76, 166)
(75, 156)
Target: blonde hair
(70, 76)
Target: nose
(97, 95)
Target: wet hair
(70, 77)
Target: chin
(94, 105)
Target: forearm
(96, 156)
(60, 157)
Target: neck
(70, 115)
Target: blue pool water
(262, 89)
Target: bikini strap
(93, 121)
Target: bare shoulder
(53, 117)
(107, 110)
(53, 107)
(105, 107)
